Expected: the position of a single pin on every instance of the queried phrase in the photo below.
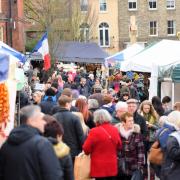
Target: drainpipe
(10, 24)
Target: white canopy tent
(126, 53)
(161, 54)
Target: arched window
(104, 34)
(84, 32)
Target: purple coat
(132, 154)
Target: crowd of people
(116, 125)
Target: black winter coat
(138, 119)
(56, 109)
(28, 156)
(73, 132)
(84, 90)
(171, 166)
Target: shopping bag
(82, 167)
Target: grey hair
(28, 112)
(93, 103)
(102, 116)
(120, 105)
(174, 119)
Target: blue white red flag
(43, 48)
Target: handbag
(156, 154)
(137, 175)
(82, 167)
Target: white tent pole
(153, 82)
(173, 96)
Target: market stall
(80, 52)
(169, 76)
(151, 59)
(123, 55)
(8, 84)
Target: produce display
(4, 105)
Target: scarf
(126, 133)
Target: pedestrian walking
(82, 107)
(131, 157)
(26, 154)
(147, 110)
(138, 119)
(73, 132)
(54, 132)
(171, 165)
(103, 143)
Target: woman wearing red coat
(103, 143)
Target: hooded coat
(26, 155)
(171, 166)
(63, 153)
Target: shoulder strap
(177, 136)
(163, 131)
(109, 136)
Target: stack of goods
(4, 106)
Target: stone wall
(143, 17)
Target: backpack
(176, 135)
(53, 98)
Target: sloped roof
(126, 53)
(80, 52)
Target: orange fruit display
(4, 105)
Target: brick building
(12, 23)
(155, 20)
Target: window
(103, 5)
(152, 4)
(132, 5)
(171, 27)
(84, 32)
(1, 33)
(153, 29)
(170, 4)
(84, 5)
(104, 35)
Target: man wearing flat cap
(138, 119)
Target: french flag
(43, 48)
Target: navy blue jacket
(26, 155)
